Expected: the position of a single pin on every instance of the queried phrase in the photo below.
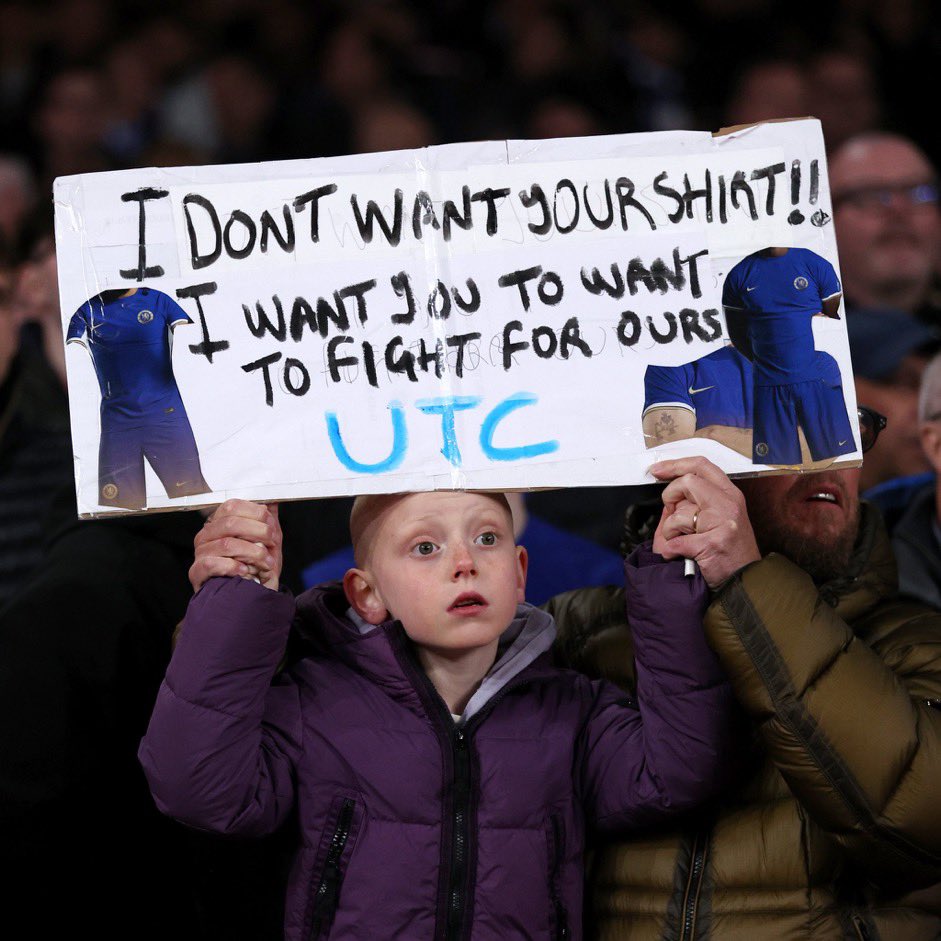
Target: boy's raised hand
(240, 538)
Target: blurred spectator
(542, 45)
(226, 111)
(69, 125)
(916, 537)
(9, 341)
(173, 47)
(168, 153)
(80, 29)
(653, 51)
(35, 447)
(773, 88)
(905, 36)
(20, 38)
(885, 206)
(243, 94)
(37, 298)
(391, 124)
(890, 351)
(844, 95)
(132, 80)
(17, 198)
(561, 115)
(353, 67)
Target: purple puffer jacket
(413, 826)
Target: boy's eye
(425, 548)
(487, 539)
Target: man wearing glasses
(885, 206)
(830, 826)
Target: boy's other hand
(240, 538)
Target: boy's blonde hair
(369, 508)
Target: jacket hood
(381, 652)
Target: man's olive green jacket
(832, 828)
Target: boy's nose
(463, 561)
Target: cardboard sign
(511, 314)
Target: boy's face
(444, 564)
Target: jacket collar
(871, 574)
(377, 651)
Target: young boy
(442, 770)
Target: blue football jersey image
(780, 295)
(717, 388)
(129, 336)
(774, 298)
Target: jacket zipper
(459, 834)
(459, 740)
(460, 743)
(456, 856)
(697, 869)
(325, 898)
(862, 932)
(561, 916)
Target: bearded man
(831, 829)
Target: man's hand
(240, 538)
(704, 519)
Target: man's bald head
(370, 509)
(873, 156)
(929, 398)
(888, 225)
(929, 420)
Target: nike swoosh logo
(840, 444)
(752, 289)
(693, 391)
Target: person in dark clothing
(425, 667)
(35, 447)
(832, 829)
(83, 645)
(916, 536)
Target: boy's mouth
(468, 601)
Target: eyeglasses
(870, 424)
(876, 198)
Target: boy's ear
(364, 597)
(522, 559)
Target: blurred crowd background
(91, 85)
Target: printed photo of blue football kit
(129, 335)
(770, 393)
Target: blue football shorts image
(817, 406)
(168, 445)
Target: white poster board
(466, 316)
